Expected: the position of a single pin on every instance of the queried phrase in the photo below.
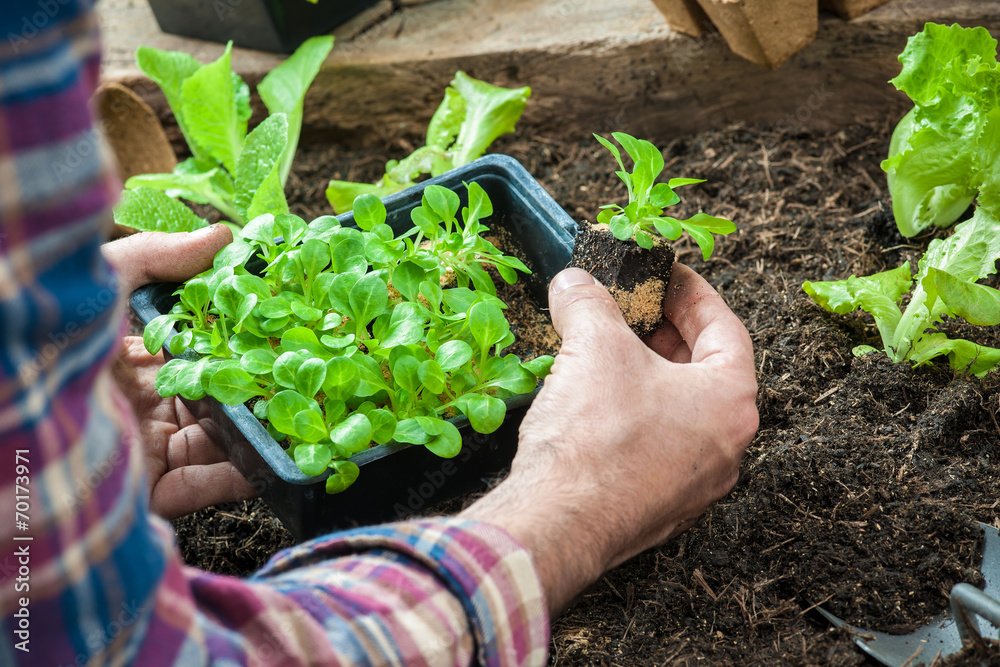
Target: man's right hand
(628, 443)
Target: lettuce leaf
(284, 88)
(240, 174)
(943, 151)
(472, 115)
(945, 285)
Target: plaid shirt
(87, 576)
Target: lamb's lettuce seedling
(945, 151)
(945, 285)
(349, 337)
(240, 174)
(643, 215)
(472, 116)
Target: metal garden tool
(973, 617)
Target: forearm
(551, 516)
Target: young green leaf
(309, 426)
(383, 425)
(344, 474)
(369, 211)
(211, 110)
(149, 210)
(540, 366)
(258, 184)
(487, 323)
(194, 295)
(283, 408)
(168, 377)
(485, 413)
(453, 354)
(156, 332)
(233, 386)
(286, 370)
(442, 201)
(409, 431)
(258, 361)
(368, 298)
(443, 437)
(976, 304)
(169, 70)
(284, 88)
(310, 376)
(313, 459)
(353, 435)
(472, 116)
(490, 112)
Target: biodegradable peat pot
(764, 31)
(269, 25)
(684, 16)
(637, 278)
(848, 9)
(397, 480)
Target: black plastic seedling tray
(270, 25)
(397, 480)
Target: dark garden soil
(863, 485)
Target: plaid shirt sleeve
(87, 576)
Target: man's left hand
(187, 470)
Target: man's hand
(187, 470)
(628, 443)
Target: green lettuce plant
(472, 116)
(349, 337)
(242, 175)
(945, 285)
(643, 216)
(944, 153)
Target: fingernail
(204, 231)
(569, 278)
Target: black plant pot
(269, 25)
(397, 480)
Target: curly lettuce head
(943, 152)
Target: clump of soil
(862, 488)
(637, 278)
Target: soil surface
(864, 483)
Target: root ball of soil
(637, 278)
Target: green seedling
(643, 216)
(945, 285)
(352, 337)
(242, 175)
(471, 117)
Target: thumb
(149, 257)
(579, 303)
